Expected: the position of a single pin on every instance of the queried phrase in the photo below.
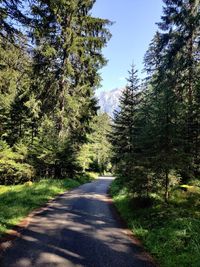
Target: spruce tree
(172, 64)
(180, 29)
(50, 57)
(68, 46)
(125, 137)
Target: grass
(17, 201)
(171, 233)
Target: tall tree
(53, 54)
(180, 28)
(125, 135)
(172, 64)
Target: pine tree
(71, 54)
(50, 57)
(68, 47)
(14, 85)
(171, 64)
(180, 28)
(125, 137)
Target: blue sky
(132, 32)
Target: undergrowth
(170, 232)
(18, 201)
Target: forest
(156, 140)
(51, 127)
(50, 57)
(156, 133)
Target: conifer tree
(69, 42)
(125, 137)
(180, 29)
(50, 56)
(171, 63)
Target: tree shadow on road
(78, 229)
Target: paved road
(77, 229)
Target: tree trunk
(166, 186)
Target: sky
(133, 29)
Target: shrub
(13, 169)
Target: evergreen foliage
(95, 155)
(156, 137)
(50, 57)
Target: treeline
(50, 57)
(156, 133)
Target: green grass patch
(17, 201)
(87, 176)
(171, 233)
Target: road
(80, 228)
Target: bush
(87, 176)
(13, 169)
(141, 202)
(138, 181)
(171, 232)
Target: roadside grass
(17, 201)
(87, 176)
(171, 233)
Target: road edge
(8, 238)
(150, 259)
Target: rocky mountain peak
(109, 100)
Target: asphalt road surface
(80, 228)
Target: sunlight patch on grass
(17, 201)
(171, 233)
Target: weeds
(171, 233)
(18, 201)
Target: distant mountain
(109, 100)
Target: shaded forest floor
(171, 233)
(17, 201)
